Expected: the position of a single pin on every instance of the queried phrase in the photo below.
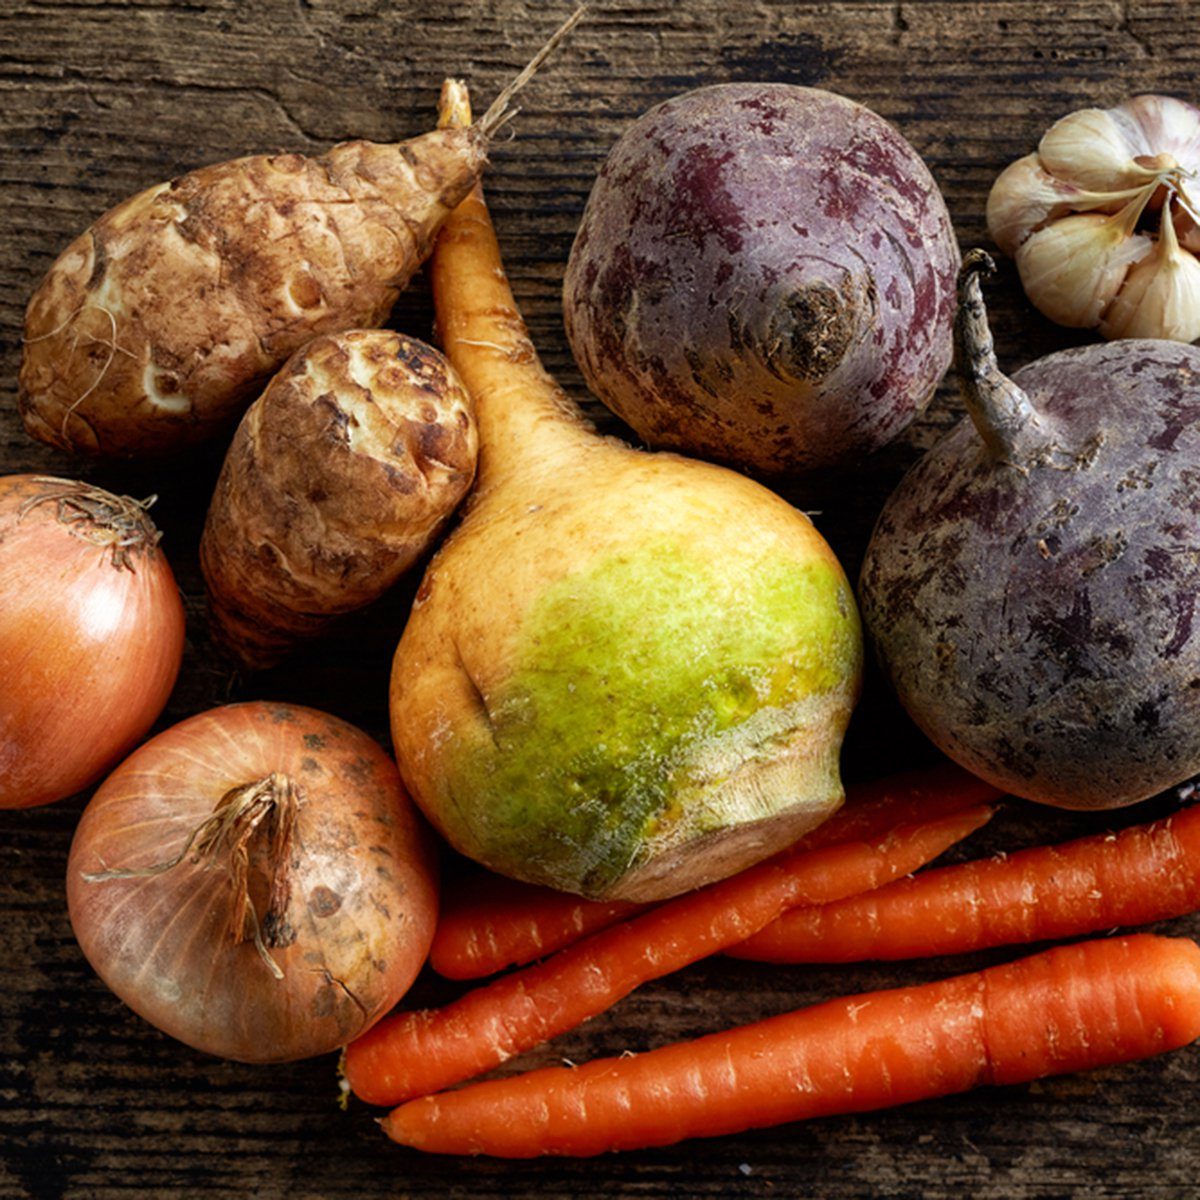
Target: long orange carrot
(1069, 1009)
(1145, 873)
(419, 1052)
(488, 922)
(491, 923)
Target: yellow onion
(91, 634)
(255, 882)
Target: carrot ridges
(1068, 1009)
(416, 1053)
(1142, 874)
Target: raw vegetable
(1142, 874)
(625, 674)
(1081, 217)
(161, 322)
(91, 634)
(1070, 1009)
(255, 882)
(1031, 584)
(419, 1052)
(491, 922)
(339, 477)
(764, 274)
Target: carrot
(1072, 1008)
(1145, 873)
(492, 922)
(419, 1052)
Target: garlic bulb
(1077, 266)
(1071, 214)
(1161, 294)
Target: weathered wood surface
(98, 100)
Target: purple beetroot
(764, 275)
(1031, 586)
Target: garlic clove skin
(1095, 149)
(1084, 269)
(1160, 297)
(1158, 300)
(1073, 269)
(1187, 229)
(1024, 197)
(1170, 128)
(1186, 224)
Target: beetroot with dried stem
(764, 275)
(1031, 584)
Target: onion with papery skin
(255, 882)
(91, 634)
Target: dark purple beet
(764, 274)
(1032, 585)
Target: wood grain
(99, 99)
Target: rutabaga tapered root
(160, 323)
(627, 674)
(340, 476)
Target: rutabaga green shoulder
(619, 715)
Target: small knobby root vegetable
(625, 674)
(255, 882)
(91, 634)
(491, 922)
(1142, 874)
(339, 478)
(1103, 220)
(764, 275)
(420, 1052)
(1031, 584)
(161, 322)
(1073, 1008)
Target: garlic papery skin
(1160, 297)
(1075, 263)
(1187, 220)
(1073, 268)
(1094, 150)
(1023, 198)
(1169, 127)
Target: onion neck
(118, 524)
(271, 803)
(1012, 429)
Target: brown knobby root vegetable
(163, 320)
(1103, 220)
(339, 478)
(764, 275)
(1031, 584)
(625, 674)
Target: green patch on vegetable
(611, 718)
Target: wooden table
(101, 99)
